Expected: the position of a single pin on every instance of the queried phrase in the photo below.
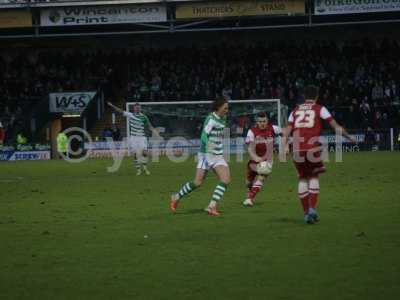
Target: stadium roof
(53, 3)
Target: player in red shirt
(260, 141)
(304, 124)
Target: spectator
(21, 140)
(385, 122)
(244, 123)
(107, 133)
(62, 144)
(2, 134)
(377, 120)
(365, 114)
(369, 139)
(116, 133)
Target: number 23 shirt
(305, 120)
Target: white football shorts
(207, 161)
(137, 143)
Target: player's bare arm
(285, 138)
(154, 131)
(117, 109)
(342, 130)
(251, 149)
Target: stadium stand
(359, 79)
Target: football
(264, 167)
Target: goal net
(185, 119)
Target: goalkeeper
(260, 141)
(137, 141)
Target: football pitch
(75, 231)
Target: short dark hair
(218, 102)
(262, 115)
(311, 92)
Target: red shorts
(308, 164)
(250, 171)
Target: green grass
(77, 232)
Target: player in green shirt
(137, 140)
(210, 157)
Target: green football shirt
(212, 134)
(137, 123)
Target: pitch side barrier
(367, 140)
(376, 140)
(25, 152)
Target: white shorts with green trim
(137, 143)
(207, 161)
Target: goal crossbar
(200, 102)
(277, 101)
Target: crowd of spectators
(359, 80)
(28, 76)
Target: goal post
(199, 109)
(185, 118)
